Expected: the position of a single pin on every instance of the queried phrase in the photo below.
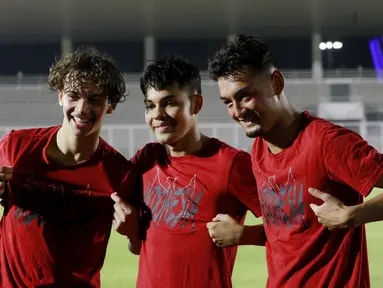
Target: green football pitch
(120, 267)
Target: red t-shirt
(56, 228)
(300, 251)
(183, 194)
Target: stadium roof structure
(47, 20)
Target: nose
(82, 106)
(238, 110)
(158, 112)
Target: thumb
(318, 194)
(314, 207)
(116, 198)
(220, 217)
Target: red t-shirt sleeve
(139, 160)
(136, 157)
(350, 160)
(4, 150)
(130, 186)
(148, 156)
(4, 161)
(242, 183)
(134, 196)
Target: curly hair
(85, 65)
(168, 71)
(243, 54)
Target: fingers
(220, 217)
(118, 221)
(119, 218)
(314, 207)
(317, 212)
(210, 225)
(211, 230)
(223, 217)
(125, 206)
(116, 198)
(330, 226)
(214, 232)
(116, 224)
(217, 242)
(319, 194)
(120, 212)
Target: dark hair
(168, 71)
(87, 64)
(243, 54)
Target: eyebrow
(100, 94)
(69, 91)
(240, 91)
(165, 98)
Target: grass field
(120, 268)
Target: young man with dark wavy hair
(293, 153)
(188, 178)
(58, 214)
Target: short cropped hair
(243, 54)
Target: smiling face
(252, 100)
(171, 113)
(84, 107)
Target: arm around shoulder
(242, 183)
(351, 160)
(225, 232)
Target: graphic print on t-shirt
(172, 204)
(282, 204)
(67, 207)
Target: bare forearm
(369, 211)
(253, 235)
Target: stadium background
(340, 79)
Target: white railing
(129, 138)
(134, 77)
